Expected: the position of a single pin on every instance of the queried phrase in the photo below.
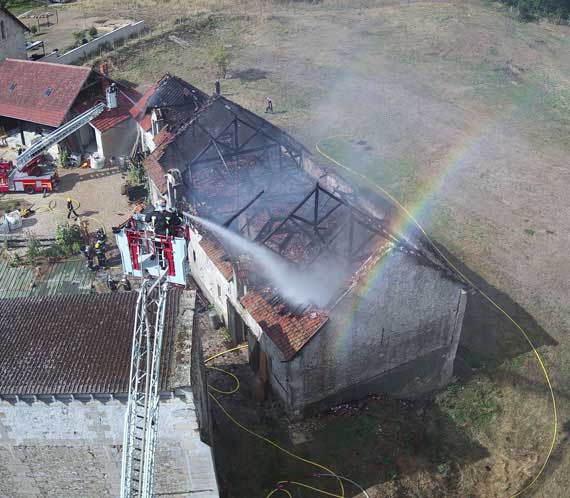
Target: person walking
(269, 107)
(71, 209)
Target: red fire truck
(36, 176)
(31, 173)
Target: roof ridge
(68, 66)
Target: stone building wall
(74, 449)
(13, 46)
(398, 334)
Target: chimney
(104, 68)
(112, 96)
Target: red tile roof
(30, 82)
(288, 332)
(126, 99)
(73, 344)
(139, 110)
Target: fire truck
(32, 173)
(37, 176)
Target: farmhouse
(381, 312)
(37, 97)
(12, 36)
(64, 381)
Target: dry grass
(466, 113)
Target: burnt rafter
(352, 218)
(228, 140)
(260, 130)
(217, 158)
(236, 215)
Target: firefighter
(100, 253)
(71, 209)
(88, 253)
(101, 236)
(19, 149)
(111, 283)
(269, 107)
(173, 221)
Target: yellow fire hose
(480, 291)
(280, 485)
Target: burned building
(166, 105)
(343, 306)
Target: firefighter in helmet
(71, 209)
(100, 253)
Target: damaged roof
(192, 141)
(289, 332)
(39, 92)
(176, 99)
(73, 344)
(243, 172)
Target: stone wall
(107, 40)
(75, 449)
(379, 337)
(14, 45)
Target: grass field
(18, 7)
(464, 114)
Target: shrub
(221, 57)
(33, 250)
(475, 404)
(136, 175)
(64, 159)
(531, 10)
(33, 29)
(68, 238)
(93, 32)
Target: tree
(222, 58)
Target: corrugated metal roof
(69, 277)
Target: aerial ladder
(58, 135)
(141, 420)
(27, 175)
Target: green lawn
(18, 7)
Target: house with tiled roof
(334, 301)
(37, 97)
(64, 379)
(12, 36)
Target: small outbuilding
(12, 36)
(37, 97)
